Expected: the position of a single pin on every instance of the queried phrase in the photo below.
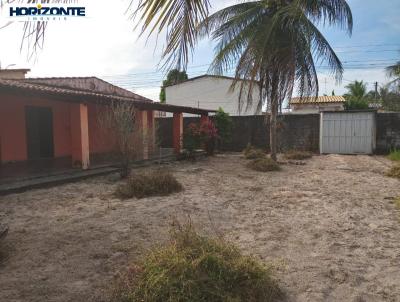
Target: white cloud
(103, 43)
(369, 76)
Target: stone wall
(295, 132)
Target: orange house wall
(100, 141)
(13, 128)
(13, 145)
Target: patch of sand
(330, 226)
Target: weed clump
(154, 183)
(394, 155)
(3, 235)
(263, 165)
(250, 152)
(394, 172)
(297, 155)
(195, 268)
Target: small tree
(119, 121)
(173, 77)
(356, 97)
(224, 125)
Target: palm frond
(179, 18)
(393, 70)
(333, 12)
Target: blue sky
(104, 44)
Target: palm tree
(357, 90)
(273, 44)
(394, 70)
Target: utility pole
(376, 90)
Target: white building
(315, 105)
(210, 92)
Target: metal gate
(347, 132)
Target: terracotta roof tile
(318, 100)
(57, 91)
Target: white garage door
(347, 132)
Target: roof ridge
(32, 81)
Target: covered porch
(47, 131)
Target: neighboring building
(51, 118)
(316, 104)
(210, 91)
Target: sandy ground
(330, 227)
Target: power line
(367, 45)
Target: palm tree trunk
(272, 129)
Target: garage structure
(348, 132)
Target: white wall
(209, 93)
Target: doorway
(39, 132)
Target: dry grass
(297, 155)
(3, 235)
(250, 152)
(153, 183)
(394, 172)
(263, 165)
(191, 267)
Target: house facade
(213, 92)
(51, 118)
(308, 105)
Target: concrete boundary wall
(295, 131)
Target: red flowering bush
(197, 136)
(209, 134)
(191, 138)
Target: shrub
(152, 183)
(395, 155)
(208, 135)
(251, 152)
(197, 136)
(394, 172)
(195, 268)
(298, 155)
(224, 124)
(191, 138)
(263, 165)
(354, 104)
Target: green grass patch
(152, 183)
(394, 172)
(397, 202)
(196, 268)
(263, 165)
(394, 155)
(298, 155)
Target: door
(39, 132)
(347, 132)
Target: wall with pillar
(79, 135)
(177, 135)
(76, 131)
